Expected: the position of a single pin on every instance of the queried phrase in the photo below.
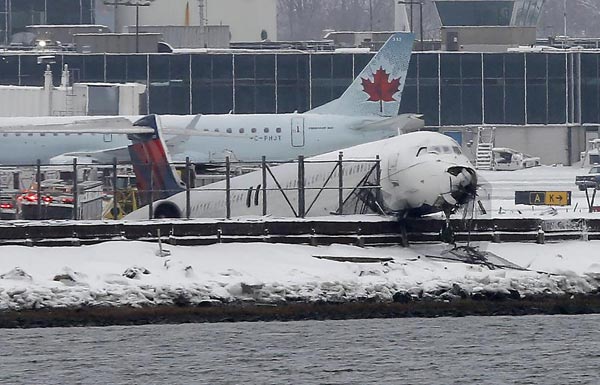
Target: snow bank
(131, 274)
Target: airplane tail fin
(378, 88)
(155, 177)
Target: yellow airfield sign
(543, 198)
(558, 198)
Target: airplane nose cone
(463, 185)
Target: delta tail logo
(381, 89)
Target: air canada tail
(155, 177)
(378, 88)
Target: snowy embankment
(131, 274)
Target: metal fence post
(38, 181)
(188, 181)
(151, 194)
(227, 188)
(340, 184)
(264, 184)
(301, 202)
(75, 190)
(378, 178)
(114, 182)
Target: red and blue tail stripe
(150, 161)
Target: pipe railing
(79, 197)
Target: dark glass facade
(491, 12)
(29, 12)
(448, 88)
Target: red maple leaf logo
(381, 89)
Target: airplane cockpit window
(435, 150)
(457, 150)
(447, 149)
(421, 151)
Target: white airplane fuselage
(421, 172)
(279, 137)
(244, 137)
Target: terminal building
(542, 100)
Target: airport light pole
(7, 21)
(371, 15)
(137, 4)
(411, 3)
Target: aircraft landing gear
(447, 232)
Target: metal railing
(34, 198)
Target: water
(470, 350)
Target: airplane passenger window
(229, 130)
(216, 130)
(278, 130)
(456, 150)
(266, 130)
(253, 130)
(249, 196)
(256, 195)
(241, 130)
(30, 134)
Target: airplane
(366, 111)
(419, 173)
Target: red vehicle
(8, 206)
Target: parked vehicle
(8, 205)
(590, 180)
(507, 159)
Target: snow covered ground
(498, 191)
(130, 273)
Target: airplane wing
(109, 125)
(112, 125)
(121, 154)
(405, 123)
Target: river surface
(470, 350)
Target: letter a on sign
(537, 197)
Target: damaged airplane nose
(463, 185)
